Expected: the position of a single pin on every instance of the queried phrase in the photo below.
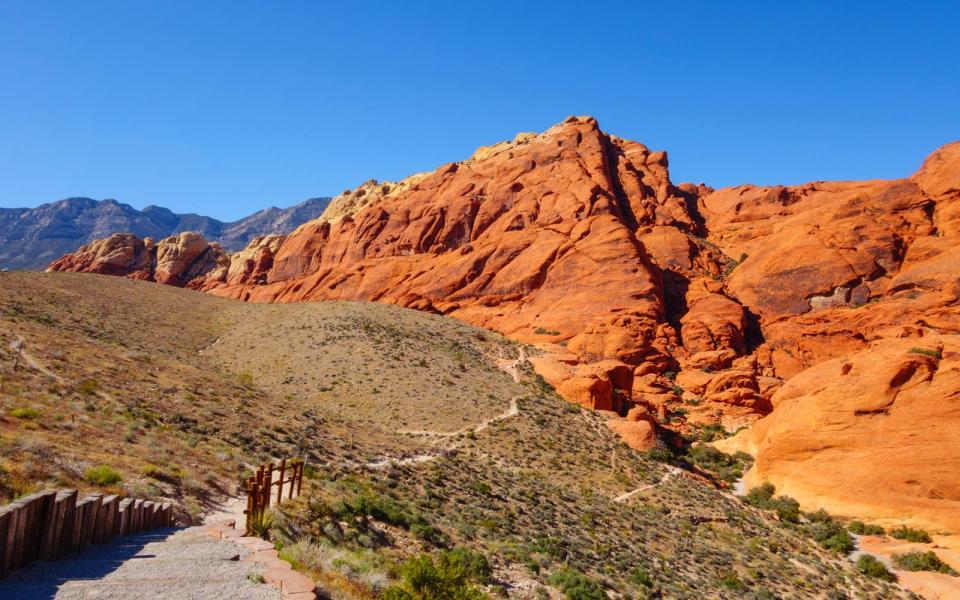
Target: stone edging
(276, 571)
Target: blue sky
(226, 107)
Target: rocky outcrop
(184, 260)
(680, 304)
(30, 238)
(534, 237)
(870, 435)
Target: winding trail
(19, 345)
(510, 366)
(671, 472)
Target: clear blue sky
(226, 107)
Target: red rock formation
(872, 434)
(577, 241)
(185, 260)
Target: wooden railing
(48, 525)
(260, 486)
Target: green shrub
(454, 575)
(102, 475)
(926, 352)
(172, 475)
(922, 561)
(660, 454)
(831, 534)
(429, 534)
(787, 508)
(577, 586)
(261, 522)
(88, 387)
(860, 528)
(25, 413)
(761, 495)
(732, 582)
(911, 535)
(871, 567)
(641, 578)
(711, 432)
(728, 467)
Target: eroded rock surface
(680, 303)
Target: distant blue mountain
(32, 237)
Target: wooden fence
(48, 525)
(260, 486)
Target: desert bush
(926, 352)
(102, 475)
(829, 533)
(711, 432)
(787, 508)
(871, 567)
(641, 578)
(731, 581)
(860, 528)
(454, 575)
(911, 535)
(922, 561)
(576, 586)
(728, 467)
(25, 413)
(261, 522)
(171, 475)
(660, 454)
(88, 387)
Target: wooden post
(51, 537)
(249, 511)
(137, 516)
(303, 463)
(267, 486)
(293, 478)
(34, 528)
(283, 469)
(126, 510)
(41, 542)
(89, 526)
(110, 515)
(6, 516)
(16, 513)
(14, 536)
(67, 499)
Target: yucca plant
(261, 522)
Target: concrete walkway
(175, 564)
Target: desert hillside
(678, 307)
(423, 434)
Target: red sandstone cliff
(577, 241)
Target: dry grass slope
(416, 414)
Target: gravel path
(185, 564)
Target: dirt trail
(19, 344)
(511, 366)
(672, 472)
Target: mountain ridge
(30, 238)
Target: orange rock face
(185, 260)
(647, 294)
(872, 434)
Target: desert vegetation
(440, 465)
